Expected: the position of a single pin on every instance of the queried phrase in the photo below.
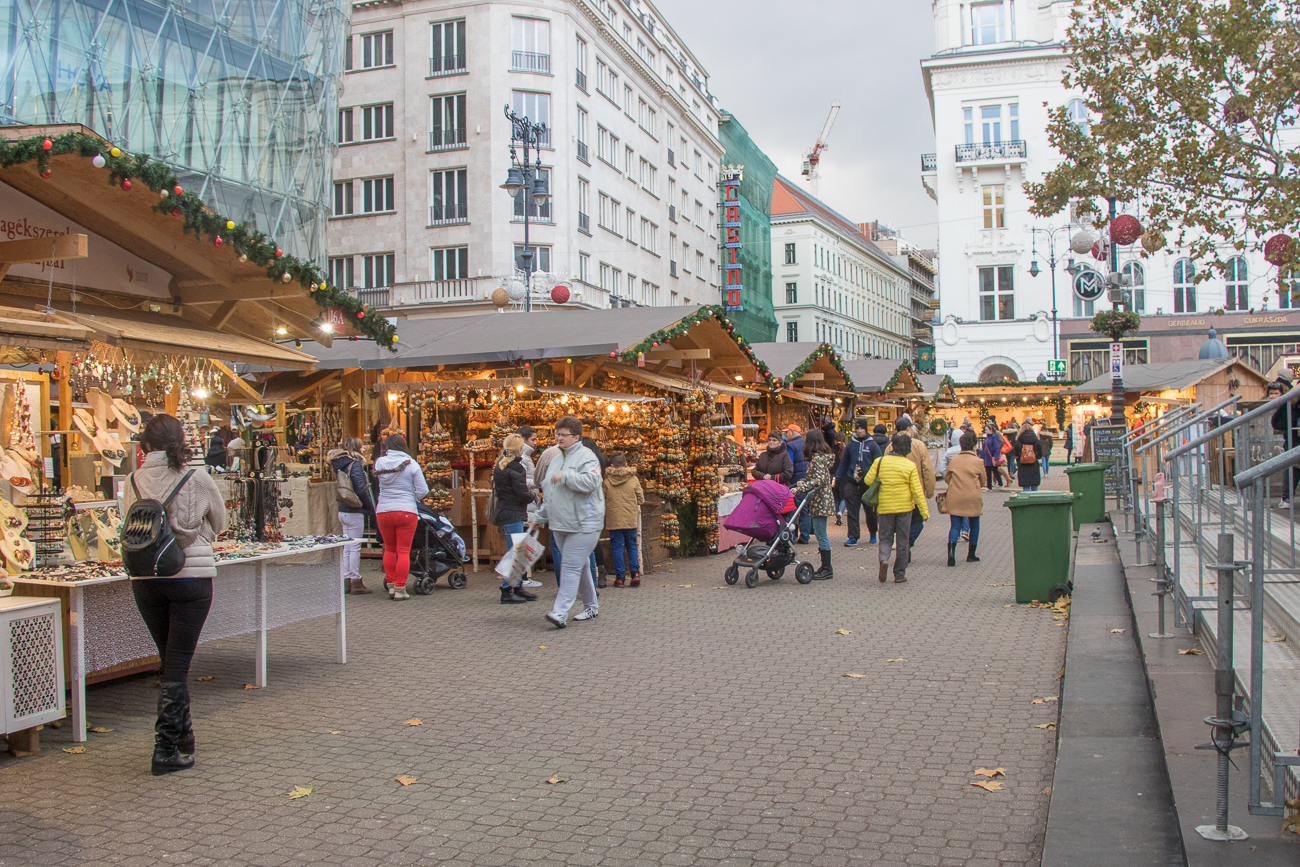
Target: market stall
(885, 389)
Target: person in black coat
(513, 497)
(774, 462)
(860, 453)
(1028, 475)
(1286, 421)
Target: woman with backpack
(401, 487)
(175, 607)
(352, 484)
(512, 499)
(1028, 453)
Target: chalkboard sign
(1107, 449)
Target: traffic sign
(1116, 359)
(1056, 366)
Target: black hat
(902, 424)
(880, 428)
(862, 423)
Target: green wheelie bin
(1041, 536)
(1089, 482)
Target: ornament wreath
(243, 242)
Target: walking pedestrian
(900, 493)
(1029, 454)
(347, 459)
(991, 453)
(954, 449)
(401, 487)
(818, 497)
(1046, 439)
(623, 500)
(794, 444)
(174, 608)
(598, 555)
(860, 453)
(529, 434)
(836, 442)
(513, 497)
(573, 505)
(1069, 443)
(774, 462)
(920, 457)
(964, 475)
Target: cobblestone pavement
(692, 723)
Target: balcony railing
(584, 223)
(530, 61)
(446, 64)
(672, 268)
(583, 153)
(1006, 150)
(582, 80)
(442, 139)
(929, 162)
(672, 213)
(444, 214)
(434, 291)
(377, 296)
(672, 158)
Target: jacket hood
(334, 454)
(882, 440)
(620, 475)
(391, 462)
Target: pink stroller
(761, 516)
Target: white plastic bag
(526, 551)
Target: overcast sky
(779, 64)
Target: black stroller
(436, 550)
(761, 516)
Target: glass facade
(237, 96)
(757, 322)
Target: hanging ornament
(126, 184)
(560, 293)
(500, 297)
(230, 224)
(1153, 240)
(1279, 250)
(162, 194)
(1125, 229)
(1083, 240)
(177, 189)
(217, 241)
(286, 277)
(516, 290)
(1100, 250)
(97, 161)
(114, 152)
(47, 144)
(45, 173)
(278, 252)
(243, 257)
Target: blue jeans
(914, 532)
(1046, 463)
(507, 530)
(958, 524)
(618, 539)
(819, 527)
(805, 519)
(1028, 489)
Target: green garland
(246, 243)
(683, 326)
(947, 380)
(898, 375)
(824, 350)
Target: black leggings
(992, 473)
(174, 611)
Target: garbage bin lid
(1041, 498)
(1087, 468)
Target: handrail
(1287, 459)
(1235, 423)
(1193, 420)
(1176, 415)
(1141, 430)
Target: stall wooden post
(280, 436)
(63, 359)
(172, 402)
(738, 417)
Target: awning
(806, 398)
(680, 386)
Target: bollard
(1227, 722)
(1164, 583)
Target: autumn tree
(1194, 116)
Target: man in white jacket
(573, 505)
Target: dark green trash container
(1089, 482)
(1041, 537)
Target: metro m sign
(732, 266)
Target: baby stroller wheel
(751, 578)
(421, 585)
(457, 580)
(803, 573)
(732, 575)
(776, 573)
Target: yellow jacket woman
(900, 486)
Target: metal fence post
(1164, 580)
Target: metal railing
(530, 61)
(432, 291)
(440, 139)
(584, 223)
(375, 296)
(583, 153)
(672, 158)
(1003, 150)
(929, 162)
(446, 64)
(581, 80)
(451, 212)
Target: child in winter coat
(623, 501)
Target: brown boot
(884, 572)
(359, 588)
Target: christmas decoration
(1153, 240)
(126, 185)
(97, 161)
(1279, 250)
(560, 293)
(1125, 229)
(500, 298)
(1083, 240)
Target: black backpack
(149, 548)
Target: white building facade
(420, 225)
(995, 75)
(831, 284)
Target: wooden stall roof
(937, 386)
(782, 359)
(25, 334)
(1166, 376)
(872, 376)
(209, 282)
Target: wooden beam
(811, 377)
(244, 289)
(222, 316)
(659, 368)
(296, 319)
(678, 354)
(45, 249)
(589, 372)
(240, 385)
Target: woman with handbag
(175, 607)
(964, 503)
(401, 487)
(512, 499)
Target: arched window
(1288, 290)
(1236, 297)
(1077, 113)
(1184, 286)
(1137, 280)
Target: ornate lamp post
(528, 179)
(1052, 260)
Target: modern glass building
(238, 96)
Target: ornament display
(1279, 250)
(126, 185)
(1153, 240)
(98, 161)
(1100, 250)
(1083, 240)
(500, 298)
(560, 293)
(1125, 229)
(516, 290)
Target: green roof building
(755, 320)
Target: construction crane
(814, 156)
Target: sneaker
(873, 539)
(587, 614)
(619, 582)
(529, 582)
(636, 580)
(965, 537)
(839, 519)
(850, 542)
(400, 593)
(555, 621)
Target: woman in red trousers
(401, 486)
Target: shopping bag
(526, 551)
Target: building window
(1013, 120)
(1288, 291)
(647, 117)
(377, 122)
(1090, 283)
(649, 235)
(447, 47)
(378, 270)
(447, 197)
(997, 298)
(1184, 286)
(347, 53)
(584, 268)
(342, 272)
(377, 49)
(530, 45)
(607, 146)
(447, 121)
(608, 213)
(377, 195)
(541, 258)
(605, 278)
(535, 211)
(792, 293)
(628, 156)
(995, 216)
(629, 220)
(699, 214)
(584, 206)
(450, 263)
(1077, 113)
(582, 135)
(792, 332)
(968, 122)
(580, 62)
(789, 255)
(991, 124)
(342, 199)
(988, 23)
(648, 176)
(1137, 280)
(699, 264)
(537, 108)
(606, 81)
(345, 125)
(1237, 296)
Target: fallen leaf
(1292, 823)
(1116, 631)
(990, 772)
(844, 632)
(298, 792)
(404, 780)
(1192, 651)
(413, 722)
(336, 733)
(900, 659)
(74, 749)
(543, 647)
(1047, 791)
(250, 686)
(1051, 727)
(1044, 700)
(1062, 603)
(685, 585)
(851, 675)
(720, 588)
(1275, 641)
(99, 730)
(554, 779)
(988, 786)
(204, 679)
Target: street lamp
(526, 179)
(1052, 260)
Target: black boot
(185, 746)
(173, 700)
(970, 554)
(952, 553)
(825, 571)
(520, 591)
(508, 596)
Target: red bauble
(126, 185)
(278, 252)
(1099, 251)
(1125, 229)
(217, 241)
(361, 314)
(45, 173)
(178, 190)
(560, 294)
(176, 212)
(1279, 249)
(47, 144)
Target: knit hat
(794, 429)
